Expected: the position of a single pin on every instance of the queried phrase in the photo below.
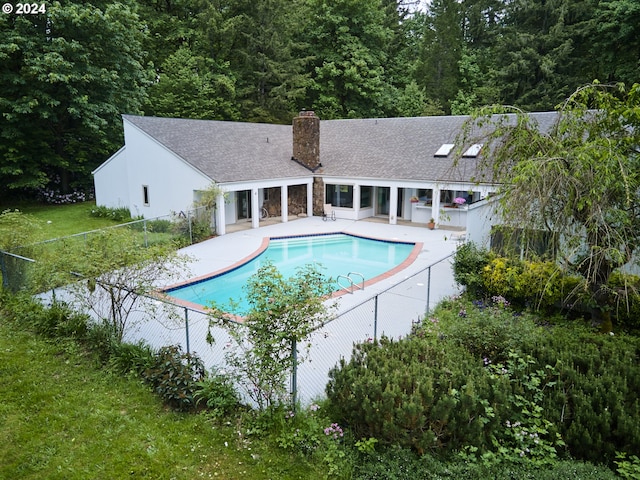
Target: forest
(67, 75)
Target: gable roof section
(226, 151)
(383, 148)
(399, 148)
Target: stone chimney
(306, 139)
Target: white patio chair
(328, 212)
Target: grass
(63, 418)
(64, 219)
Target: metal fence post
(428, 288)
(3, 270)
(294, 373)
(375, 319)
(186, 326)
(144, 227)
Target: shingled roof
(226, 151)
(383, 148)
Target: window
(444, 150)
(145, 195)
(366, 197)
(425, 195)
(473, 150)
(339, 195)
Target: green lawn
(61, 220)
(63, 418)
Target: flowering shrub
(334, 431)
(53, 197)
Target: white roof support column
(284, 203)
(393, 206)
(255, 208)
(356, 201)
(220, 215)
(435, 205)
(310, 199)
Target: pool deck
(223, 252)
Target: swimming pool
(338, 254)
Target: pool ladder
(352, 284)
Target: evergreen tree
(441, 52)
(538, 56)
(348, 40)
(260, 49)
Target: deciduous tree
(579, 179)
(282, 314)
(67, 76)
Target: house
(394, 168)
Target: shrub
(496, 385)
(488, 329)
(55, 321)
(423, 393)
(118, 214)
(217, 393)
(595, 402)
(468, 265)
(398, 463)
(174, 376)
(131, 358)
(101, 340)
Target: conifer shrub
(595, 403)
(495, 386)
(421, 393)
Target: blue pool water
(338, 254)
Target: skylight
(473, 150)
(444, 150)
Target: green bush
(397, 463)
(119, 214)
(595, 402)
(468, 264)
(217, 393)
(131, 358)
(101, 341)
(423, 393)
(174, 376)
(55, 321)
(497, 386)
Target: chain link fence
(392, 313)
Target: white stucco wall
(110, 180)
(171, 181)
(479, 221)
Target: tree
(348, 40)
(190, 86)
(258, 43)
(110, 274)
(282, 314)
(442, 51)
(540, 56)
(579, 179)
(67, 76)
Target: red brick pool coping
(263, 246)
